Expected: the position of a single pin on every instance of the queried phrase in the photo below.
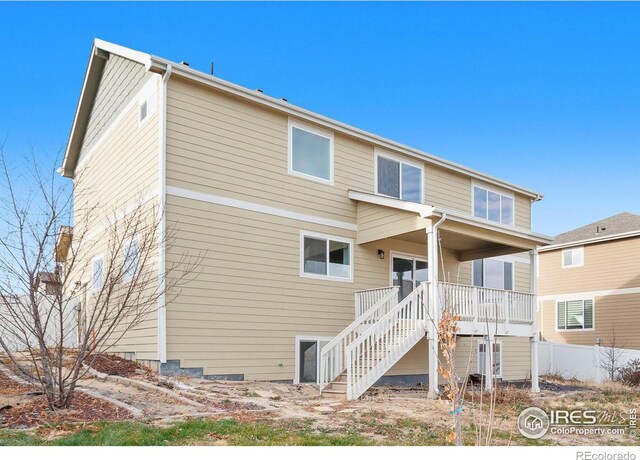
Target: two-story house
(589, 284)
(328, 251)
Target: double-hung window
(573, 257)
(574, 314)
(326, 257)
(131, 259)
(493, 273)
(491, 205)
(310, 152)
(97, 280)
(399, 178)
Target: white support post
(533, 267)
(488, 363)
(432, 321)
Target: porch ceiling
(472, 238)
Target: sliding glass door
(408, 273)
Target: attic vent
(600, 229)
(143, 111)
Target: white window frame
(318, 132)
(499, 342)
(307, 338)
(593, 326)
(578, 248)
(404, 255)
(390, 156)
(93, 272)
(324, 236)
(494, 190)
(498, 259)
(125, 276)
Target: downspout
(436, 248)
(162, 191)
(434, 306)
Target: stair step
(334, 394)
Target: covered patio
(454, 239)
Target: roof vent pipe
(185, 63)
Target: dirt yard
(384, 415)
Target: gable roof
(621, 225)
(101, 50)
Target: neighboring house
(589, 284)
(325, 247)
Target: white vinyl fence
(583, 362)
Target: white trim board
(255, 207)
(598, 239)
(589, 294)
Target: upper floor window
(574, 314)
(326, 257)
(398, 178)
(310, 152)
(491, 205)
(97, 280)
(573, 257)
(493, 273)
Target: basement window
(496, 358)
(308, 353)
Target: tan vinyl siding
(121, 174)
(447, 189)
(615, 316)
(522, 281)
(223, 146)
(121, 80)
(516, 358)
(249, 291)
(522, 216)
(607, 265)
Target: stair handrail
(332, 355)
(358, 383)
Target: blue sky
(546, 95)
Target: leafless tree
(59, 305)
(611, 353)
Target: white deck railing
(370, 297)
(332, 355)
(480, 304)
(377, 349)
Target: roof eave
(599, 239)
(160, 64)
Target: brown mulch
(84, 408)
(115, 365)
(25, 406)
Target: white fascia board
(424, 210)
(488, 225)
(128, 53)
(598, 239)
(158, 64)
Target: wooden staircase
(353, 362)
